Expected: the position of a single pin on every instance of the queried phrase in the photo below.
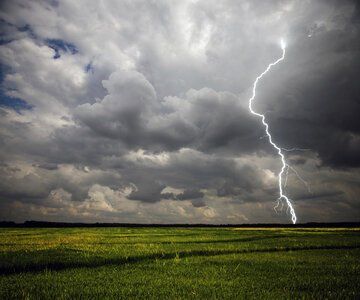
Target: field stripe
(98, 262)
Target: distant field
(179, 263)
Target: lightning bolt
(285, 166)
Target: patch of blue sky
(12, 102)
(61, 46)
(89, 67)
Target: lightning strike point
(282, 196)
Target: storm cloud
(137, 111)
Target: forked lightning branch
(285, 167)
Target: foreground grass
(179, 263)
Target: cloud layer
(136, 111)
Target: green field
(179, 263)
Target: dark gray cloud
(316, 106)
(48, 166)
(139, 110)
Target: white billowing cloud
(140, 157)
(46, 83)
(124, 110)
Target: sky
(137, 111)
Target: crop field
(179, 263)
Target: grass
(179, 263)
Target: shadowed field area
(179, 263)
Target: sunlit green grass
(179, 263)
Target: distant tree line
(44, 224)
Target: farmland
(179, 263)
